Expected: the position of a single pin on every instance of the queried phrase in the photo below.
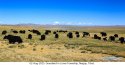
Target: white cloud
(71, 23)
(56, 22)
(86, 23)
(62, 23)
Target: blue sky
(69, 12)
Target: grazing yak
(43, 37)
(54, 32)
(122, 39)
(56, 36)
(70, 35)
(105, 39)
(35, 32)
(4, 32)
(13, 39)
(86, 34)
(14, 31)
(76, 32)
(97, 37)
(103, 34)
(47, 32)
(116, 35)
(64, 31)
(22, 31)
(29, 36)
(111, 38)
(77, 35)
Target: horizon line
(33, 24)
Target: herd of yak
(17, 39)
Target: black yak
(43, 37)
(22, 31)
(29, 36)
(13, 39)
(111, 38)
(122, 39)
(56, 36)
(64, 31)
(116, 35)
(70, 35)
(54, 32)
(76, 32)
(35, 32)
(105, 39)
(14, 31)
(86, 34)
(47, 32)
(4, 32)
(103, 33)
(97, 37)
(77, 35)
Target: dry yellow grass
(62, 49)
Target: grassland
(62, 49)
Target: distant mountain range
(62, 27)
(58, 25)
